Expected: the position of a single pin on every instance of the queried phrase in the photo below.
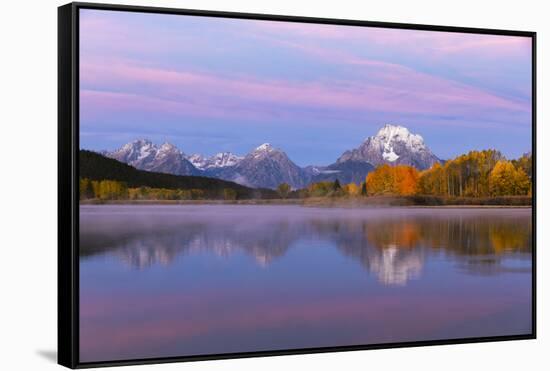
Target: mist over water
(159, 281)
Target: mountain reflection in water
(391, 244)
(163, 281)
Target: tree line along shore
(477, 178)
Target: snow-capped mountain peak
(197, 160)
(263, 150)
(392, 144)
(267, 167)
(168, 147)
(219, 160)
(390, 133)
(134, 151)
(144, 155)
(140, 142)
(266, 147)
(224, 159)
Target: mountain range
(267, 166)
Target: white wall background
(28, 155)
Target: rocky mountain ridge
(267, 166)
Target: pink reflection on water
(127, 327)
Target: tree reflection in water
(391, 244)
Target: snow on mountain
(224, 159)
(219, 160)
(389, 155)
(263, 148)
(134, 152)
(265, 167)
(199, 161)
(144, 155)
(392, 144)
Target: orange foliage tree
(393, 180)
(406, 180)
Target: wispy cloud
(384, 87)
(164, 68)
(411, 41)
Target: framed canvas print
(236, 185)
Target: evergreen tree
(364, 188)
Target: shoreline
(363, 202)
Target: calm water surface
(160, 281)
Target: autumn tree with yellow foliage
(464, 176)
(352, 189)
(381, 181)
(433, 181)
(103, 189)
(506, 180)
(475, 174)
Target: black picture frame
(68, 197)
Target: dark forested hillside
(97, 167)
